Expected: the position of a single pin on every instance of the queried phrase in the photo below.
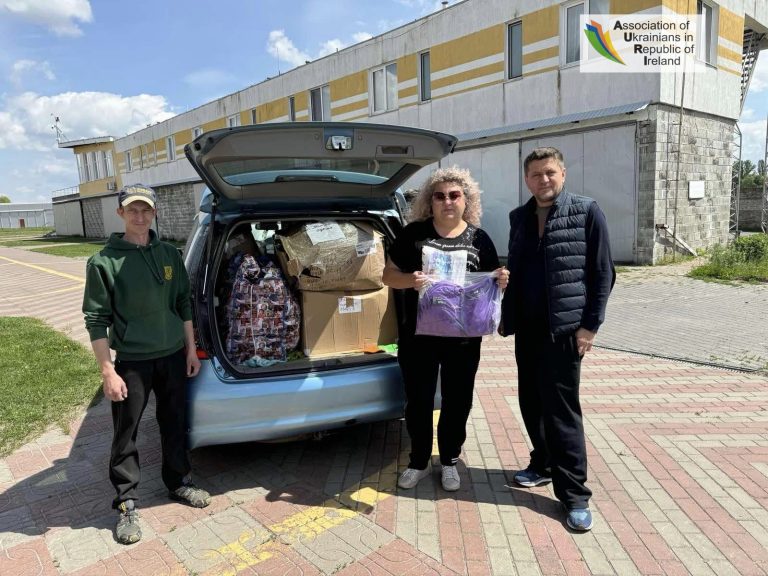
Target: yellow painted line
(309, 524)
(42, 269)
(41, 295)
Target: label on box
(366, 248)
(324, 232)
(348, 305)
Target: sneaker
(127, 530)
(411, 476)
(192, 495)
(450, 479)
(579, 519)
(530, 478)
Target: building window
(515, 50)
(706, 49)
(384, 81)
(320, 103)
(233, 121)
(571, 32)
(425, 77)
(170, 148)
(128, 161)
(109, 169)
(196, 131)
(291, 109)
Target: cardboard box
(340, 322)
(324, 256)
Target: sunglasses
(442, 196)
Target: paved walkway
(678, 466)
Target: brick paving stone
(678, 462)
(31, 558)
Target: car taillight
(202, 354)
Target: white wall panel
(610, 178)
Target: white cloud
(59, 16)
(283, 48)
(26, 120)
(361, 36)
(22, 67)
(759, 82)
(753, 140)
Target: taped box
(339, 322)
(333, 255)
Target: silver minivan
(262, 180)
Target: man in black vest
(561, 274)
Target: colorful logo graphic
(601, 41)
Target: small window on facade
(706, 32)
(425, 79)
(128, 161)
(292, 109)
(515, 50)
(81, 168)
(196, 131)
(254, 116)
(233, 120)
(385, 88)
(572, 28)
(170, 148)
(109, 168)
(320, 103)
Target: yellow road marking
(310, 523)
(48, 270)
(30, 296)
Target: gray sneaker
(412, 476)
(450, 479)
(127, 530)
(192, 495)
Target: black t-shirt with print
(406, 254)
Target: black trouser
(456, 359)
(167, 376)
(548, 389)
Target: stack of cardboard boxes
(337, 266)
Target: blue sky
(110, 68)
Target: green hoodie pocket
(153, 333)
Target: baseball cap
(136, 192)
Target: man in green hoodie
(137, 302)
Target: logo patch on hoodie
(168, 272)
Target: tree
(5, 200)
(761, 167)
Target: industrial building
(655, 149)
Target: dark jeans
(456, 359)
(167, 376)
(548, 387)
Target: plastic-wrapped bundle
(262, 313)
(460, 310)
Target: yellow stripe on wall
(723, 52)
(468, 48)
(532, 57)
(350, 85)
(468, 75)
(540, 25)
(632, 6)
(731, 27)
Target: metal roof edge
(564, 119)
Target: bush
(752, 248)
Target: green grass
(39, 241)
(71, 250)
(46, 377)
(746, 259)
(14, 232)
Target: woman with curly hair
(446, 216)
